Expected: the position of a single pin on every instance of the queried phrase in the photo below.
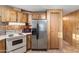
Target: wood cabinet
(35, 16)
(10, 15)
(22, 17)
(7, 15)
(19, 17)
(39, 15)
(55, 37)
(30, 18)
(43, 15)
(29, 41)
(13, 16)
(2, 46)
(25, 17)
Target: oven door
(15, 43)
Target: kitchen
(24, 30)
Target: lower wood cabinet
(2, 46)
(29, 41)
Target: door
(54, 42)
(34, 34)
(42, 37)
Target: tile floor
(66, 49)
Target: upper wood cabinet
(7, 15)
(39, 15)
(19, 16)
(43, 16)
(12, 15)
(22, 17)
(35, 16)
(25, 17)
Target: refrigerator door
(34, 23)
(42, 41)
(34, 42)
(34, 35)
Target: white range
(16, 43)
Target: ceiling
(66, 8)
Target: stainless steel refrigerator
(39, 34)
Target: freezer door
(42, 41)
(34, 42)
(34, 34)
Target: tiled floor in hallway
(66, 49)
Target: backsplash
(3, 23)
(13, 31)
(2, 32)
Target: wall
(71, 28)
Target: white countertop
(26, 33)
(2, 37)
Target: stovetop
(14, 35)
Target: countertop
(26, 33)
(2, 37)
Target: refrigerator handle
(37, 35)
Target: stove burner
(20, 34)
(11, 35)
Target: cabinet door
(29, 41)
(2, 46)
(35, 16)
(20, 15)
(5, 14)
(12, 16)
(43, 16)
(24, 18)
(54, 17)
